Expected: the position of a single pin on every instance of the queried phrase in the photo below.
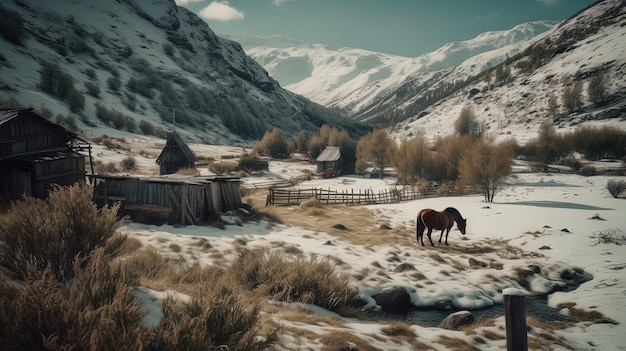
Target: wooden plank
(147, 208)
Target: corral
(189, 200)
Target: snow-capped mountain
(353, 78)
(589, 44)
(508, 78)
(140, 65)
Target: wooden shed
(175, 155)
(158, 200)
(335, 160)
(36, 153)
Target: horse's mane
(453, 211)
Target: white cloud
(280, 2)
(221, 11)
(186, 2)
(548, 2)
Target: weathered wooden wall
(156, 200)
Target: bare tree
(467, 124)
(552, 106)
(486, 165)
(302, 142)
(572, 97)
(378, 148)
(597, 89)
(411, 159)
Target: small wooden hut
(175, 155)
(156, 200)
(36, 153)
(335, 160)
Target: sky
(401, 27)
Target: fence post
(515, 319)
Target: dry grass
(188, 171)
(456, 344)
(580, 315)
(361, 222)
(398, 329)
(341, 341)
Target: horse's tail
(419, 229)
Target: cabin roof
(174, 140)
(334, 153)
(193, 180)
(6, 115)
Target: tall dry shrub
(56, 231)
(303, 280)
(95, 311)
(221, 316)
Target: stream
(427, 317)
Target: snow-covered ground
(550, 221)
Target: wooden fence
(277, 183)
(293, 196)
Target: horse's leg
(430, 231)
(420, 235)
(441, 235)
(448, 232)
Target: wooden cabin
(175, 155)
(160, 200)
(36, 153)
(335, 160)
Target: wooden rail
(294, 196)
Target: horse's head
(461, 223)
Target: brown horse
(431, 219)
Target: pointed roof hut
(175, 155)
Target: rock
(565, 230)
(544, 247)
(340, 227)
(442, 304)
(328, 242)
(404, 267)
(456, 320)
(384, 226)
(474, 263)
(534, 268)
(395, 300)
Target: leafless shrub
(129, 163)
(615, 187)
(222, 167)
(610, 236)
(37, 234)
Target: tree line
(468, 158)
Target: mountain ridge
(151, 62)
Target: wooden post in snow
(515, 318)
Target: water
(535, 306)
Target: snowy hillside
(134, 64)
(578, 49)
(426, 94)
(352, 78)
